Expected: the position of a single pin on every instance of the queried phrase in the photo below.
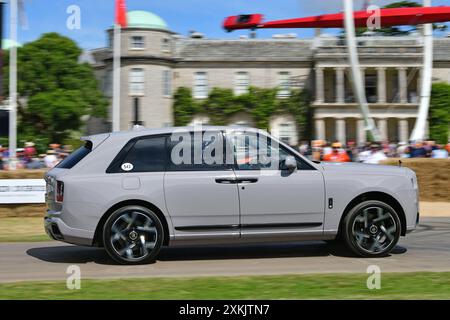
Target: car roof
(142, 131)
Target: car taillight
(59, 191)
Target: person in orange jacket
(337, 154)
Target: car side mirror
(290, 163)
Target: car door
(274, 201)
(201, 197)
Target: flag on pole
(120, 21)
(23, 20)
(121, 13)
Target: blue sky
(182, 16)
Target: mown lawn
(320, 286)
(25, 229)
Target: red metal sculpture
(388, 18)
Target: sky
(182, 16)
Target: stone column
(381, 84)
(340, 131)
(403, 84)
(361, 132)
(340, 84)
(363, 77)
(320, 93)
(403, 130)
(419, 82)
(383, 128)
(320, 129)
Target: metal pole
(2, 11)
(136, 121)
(418, 132)
(116, 78)
(356, 72)
(13, 86)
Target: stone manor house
(156, 61)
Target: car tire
(371, 229)
(133, 235)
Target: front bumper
(58, 230)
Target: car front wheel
(133, 235)
(371, 229)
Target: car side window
(196, 152)
(146, 155)
(258, 152)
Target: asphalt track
(426, 249)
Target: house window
(284, 85)
(137, 81)
(201, 85)
(108, 83)
(165, 45)
(241, 83)
(371, 88)
(167, 83)
(286, 132)
(137, 42)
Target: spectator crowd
(372, 153)
(28, 157)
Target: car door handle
(227, 180)
(247, 180)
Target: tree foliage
(260, 103)
(55, 90)
(439, 117)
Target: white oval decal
(127, 167)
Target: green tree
(58, 90)
(184, 107)
(439, 116)
(220, 102)
(260, 103)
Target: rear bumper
(58, 230)
(411, 229)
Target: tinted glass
(250, 155)
(197, 152)
(75, 157)
(146, 155)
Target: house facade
(156, 61)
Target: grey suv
(134, 192)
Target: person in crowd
(375, 155)
(29, 152)
(418, 150)
(1, 157)
(337, 154)
(439, 153)
(403, 150)
(304, 148)
(50, 159)
(352, 150)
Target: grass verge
(425, 285)
(26, 229)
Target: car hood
(362, 168)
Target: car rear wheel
(371, 229)
(133, 235)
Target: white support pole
(116, 78)
(13, 86)
(356, 72)
(418, 132)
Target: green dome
(145, 19)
